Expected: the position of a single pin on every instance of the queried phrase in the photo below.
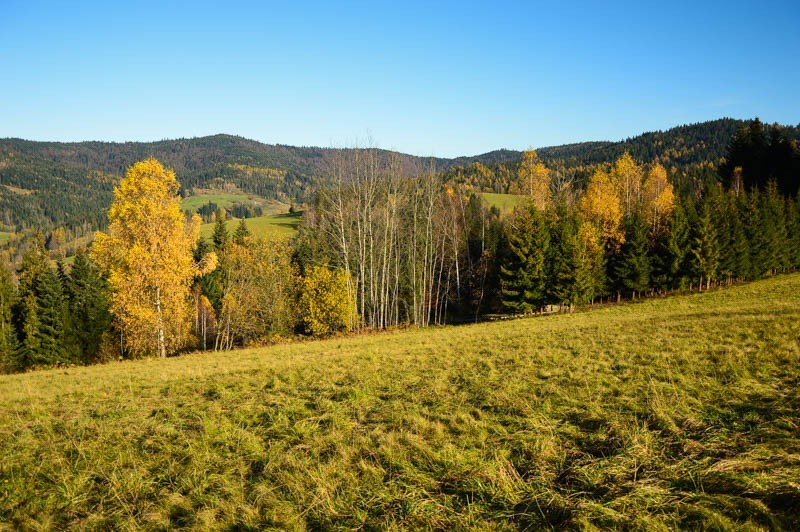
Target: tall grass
(678, 412)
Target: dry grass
(670, 413)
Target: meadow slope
(677, 412)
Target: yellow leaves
(533, 178)
(326, 305)
(626, 176)
(601, 205)
(627, 189)
(658, 198)
(147, 254)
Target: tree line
(380, 249)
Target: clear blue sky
(429, 78)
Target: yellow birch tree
(601, 205)
(658, 199)
(534, 179)
(147, 257)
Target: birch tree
(147, 257)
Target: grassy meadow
(505, 203)
(667, 413)
(220, 198)
(270, 227)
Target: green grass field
(270, 227)
(4, 238)
(504, 202)
(667, 413)
(222, 199)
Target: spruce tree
(571, 263)
(524, 274)
(8, 298)
(242, 233)
(632, 265)
(88, 307)
(220, 235)
(705, 248)
(50, 298)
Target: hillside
(49, 184)
(669, 413)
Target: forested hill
(49, 184)
(706, 142)
(691, 152)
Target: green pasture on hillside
(270, 227)
(674, 413)
(504, 202)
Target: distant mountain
(690, 153)
(49, 184)
(46, 184)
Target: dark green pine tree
(754, 230)
(524, 274)
(25, 313)
(90, 317)
(739, 265)
(705, 248)
(51, 311)
(28, 352)
(632, 264)
(773, 226)
(793, 230)
(570, 263)
(242, 233)
(220, 235)
(676, 252)
(8, 298)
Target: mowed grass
(668, 413)
(270, 227)
(504, 202)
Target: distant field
(222, 199)
(678, 413)
(4, 238)
(276, 226)
(504, 202)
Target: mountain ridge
(52, 183)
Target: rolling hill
(49, 184)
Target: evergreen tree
(25, 312)
(705, 248)
(793, 231)
(220, 235)
(8, 298)
(242, 233)
(88, 307)
(524, 274)
(632, 265)
(50, 301)
(571, 262)
(28, 352)
(754, 230)
(739, 263)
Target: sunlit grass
(504, 202)
(668, 413)
(270, 227)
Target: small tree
(326, 305)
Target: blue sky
(429, 78)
